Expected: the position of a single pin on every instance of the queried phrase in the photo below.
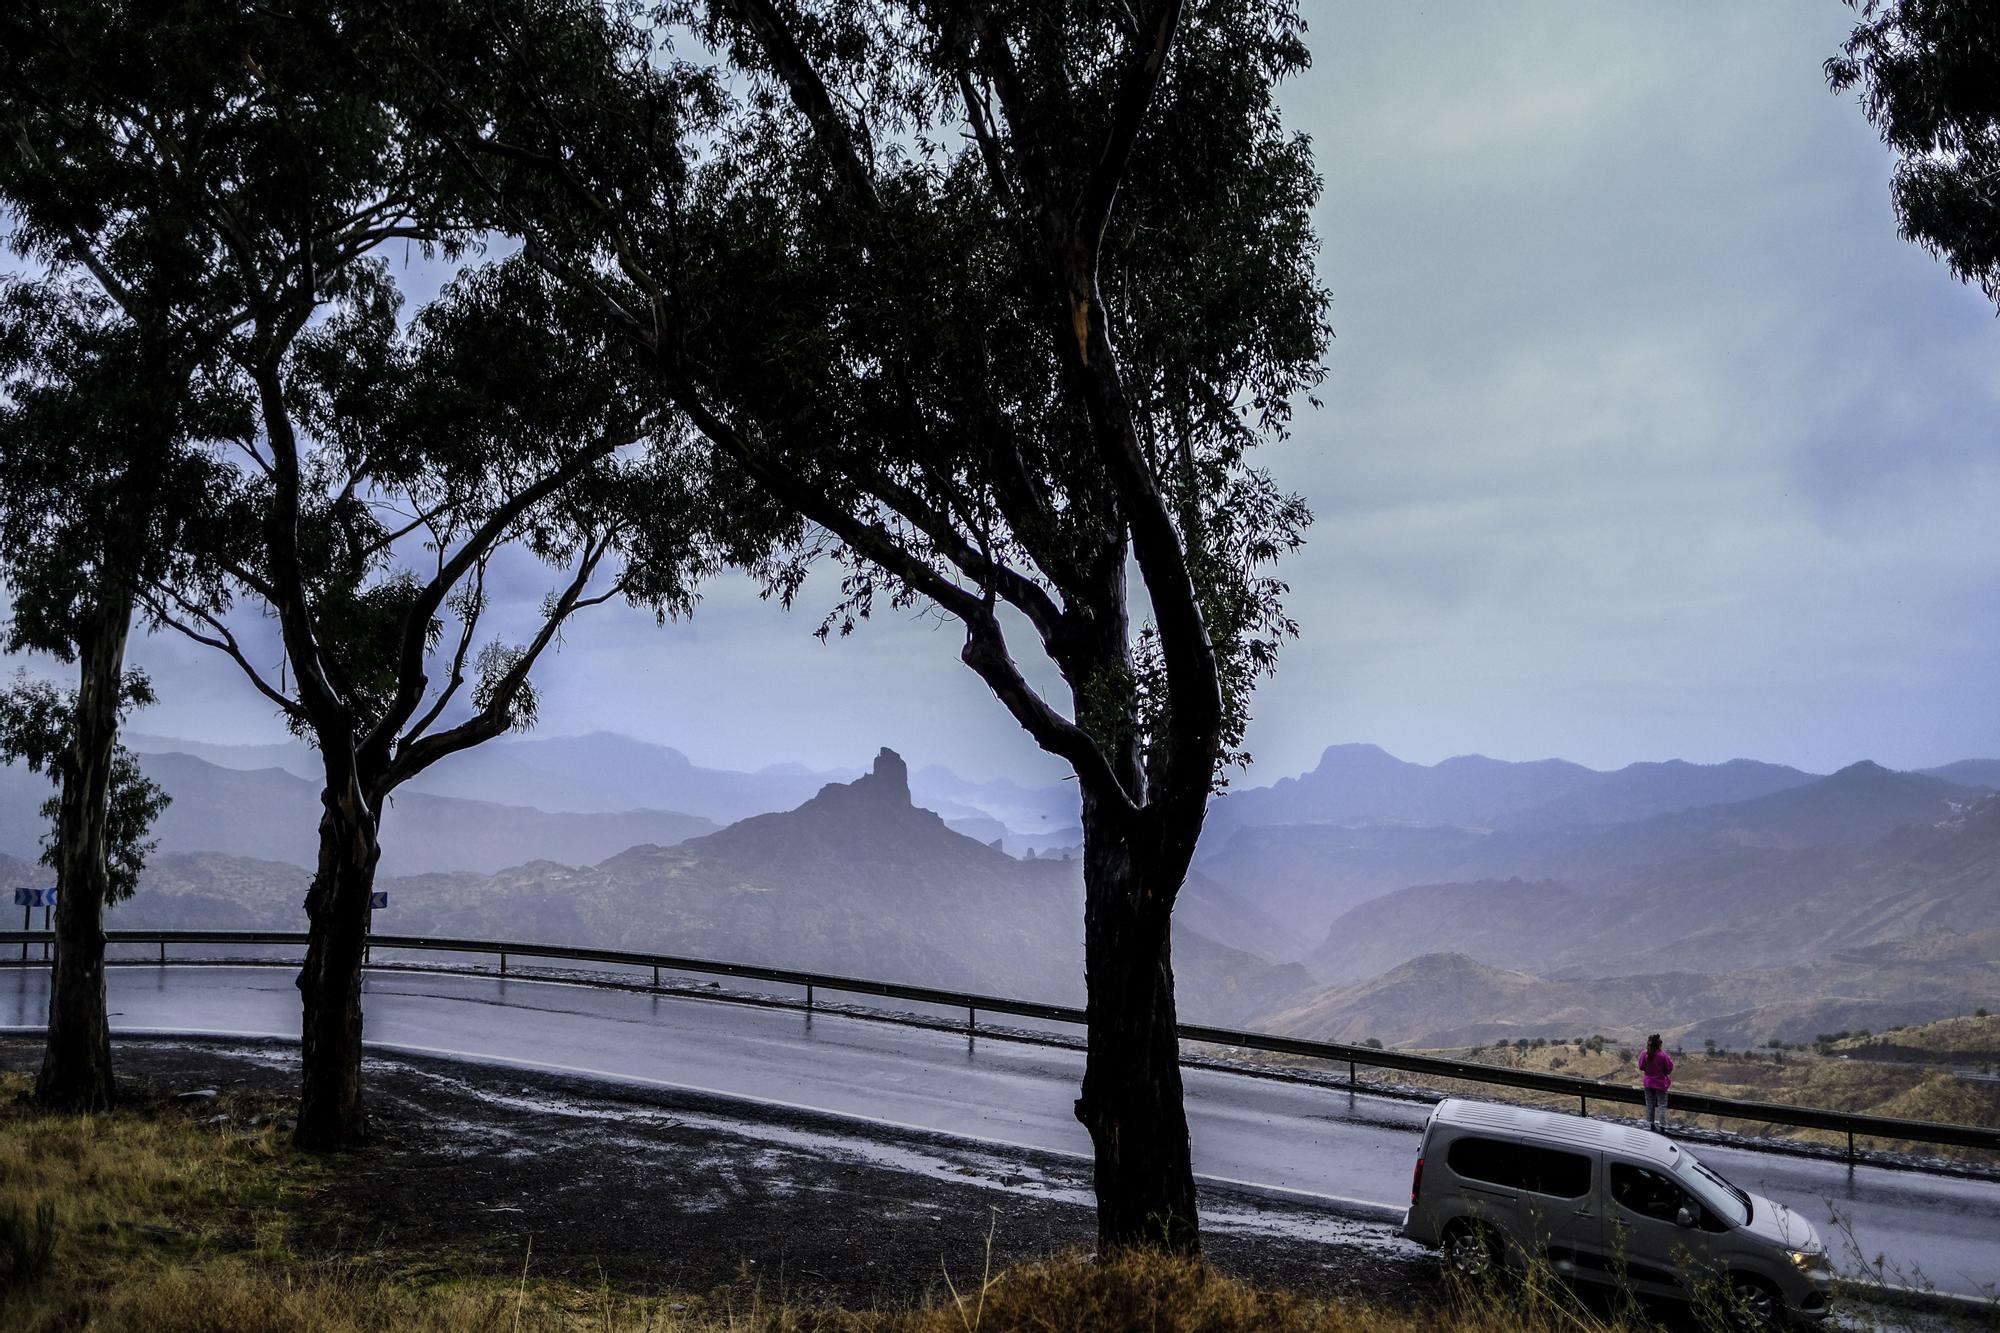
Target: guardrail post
(656, 976)
(1352, 1082)
(971, 1019)
(809, 996)
(503, 962)
(1582, 1104)
(163, 953)
(1850, 1147)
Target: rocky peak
(887, 782)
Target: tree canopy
(998, 299)
(1928, 76)
(854, 272)
(37, 729)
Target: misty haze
(915, 667)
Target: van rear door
(1544, 1197)
(1489, 1180)
(1562, 1211)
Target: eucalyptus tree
(998, 298)
(83, 463)
(141, 144)
(107, 356)
(1928, 76)
(371, 471)
(396, 469)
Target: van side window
(1648, 1193)
(1521, 1166)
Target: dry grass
(1067, 1294)
(1142, 1290)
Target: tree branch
(475, 604)
(410, 679)
(327, 711)
(986, 652)
(1128, 114)
(390, 538)
(1018, 590)
(415, 753)
(985, 647)
(845, 149)
(220, 639)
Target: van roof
(1553, 1126)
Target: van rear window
(1521, 1166)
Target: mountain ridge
(1736, 886)
(856, 880)
(1359, 783)
(1449, 999)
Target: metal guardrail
(1356, 1057)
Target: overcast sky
(1645, 437)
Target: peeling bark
(76, 1070)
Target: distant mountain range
(856, 880)
(1437, 904)
(271, 814)
(606, 773)
(1753, 883)
(1359, 784)
(1448, 999)
(1311, 870)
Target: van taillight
(1416, 1182)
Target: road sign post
(28, 900)
(376, 898)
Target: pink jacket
(1658, 1069)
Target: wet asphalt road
(1354, 1152)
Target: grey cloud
(1645, 436)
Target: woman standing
(1656, 1071)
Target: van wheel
(1469, 1253)
(1754, 1303)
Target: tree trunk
(331, 1115)
(1131, 1101)
(76, 1064)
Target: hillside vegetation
(1842, 1074)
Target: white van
(1607, 1203)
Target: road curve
(1351, 1152)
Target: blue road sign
(379, 898)
(34, 897)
